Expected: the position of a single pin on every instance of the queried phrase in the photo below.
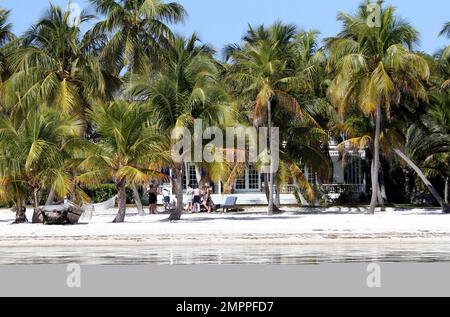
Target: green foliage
(102, 193)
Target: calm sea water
(226, 255)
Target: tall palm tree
(137, 31)
(128, 150)
(373, 69)
(263, 74)
(187, 89)
(57, 67)
(33, 156)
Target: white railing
(330, 188)
(344, 188)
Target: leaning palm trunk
(376, 162)
(303, 200)
(434, 192)
(175, 214)
(137, 200)
(50, 198)
(122, 200)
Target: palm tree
(57, 67)
(33, 156)
(428, 142)
(373, 69)
(187, 89)
(444, 57)
(128, 151)
(137, 31)
(263, 74)
(5, 28)
(445, 30)
(6, 36)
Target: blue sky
(220, 22)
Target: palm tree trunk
(383, 187)
(50, 198)
(137, 200)
(303, 200)
(175, 215)
(36, 206)
(380, 198)
(200, 179)
(21, 216)
(434, 192)
(447, 181)
(379, 194)
(408, 184)
(266, 186)
(277, 194)
(74, 189)
(376, 162)
(271, 180)
(122, 200)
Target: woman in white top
(197, 202)
(190, 198)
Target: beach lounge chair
(230, 203)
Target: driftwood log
(68, 214)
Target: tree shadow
(247, 218)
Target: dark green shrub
(105, 192)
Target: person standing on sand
(190, 198)
(197, 202)
(166, 199)
(152, 199)
(208, 202)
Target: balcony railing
(330, 188)
(344, 188)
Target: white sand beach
(294, 226)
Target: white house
(249, 187)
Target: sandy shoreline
(223, 241)
(249, 228)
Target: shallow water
(227, 255)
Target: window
(253, 178)
(249, 180)
(240, 182)
(190, 177)
(353, 172)
(310, 175)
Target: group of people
(196, 199)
